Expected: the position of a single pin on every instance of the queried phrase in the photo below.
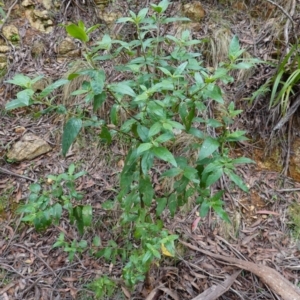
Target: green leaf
(164, 154)
(164, 137)
(35, 188)
(234, 46)
(214, 177)
(98, 100)
(204, 208)
(25, 95)
(71, 169)
(172, 204)
(70, 132)
(160, 205)
(57, 212)
(209, 146)
(77, 32)
(105, 135)
(146, 189)
(238, 135)
(20, 80)
(87, 214)
(114, 114)
(144, 147)
(221, 213)
(14, 104)
(96, 241)
(172, 172)
(237, 180)
(215, 94)
(97, 82)
(180, 68)
(243, 160)
(77, 211)
(154, 129)
(153, 250)
(50, 88)
(143, 132)
(142, 13)
(123, 89)
(147, 162)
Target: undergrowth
(168, 93)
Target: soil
(261, 230)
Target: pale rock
(29, 147)
(66, 46)
(4, 49)
(10, 31)
(194, 11)
(27, 3)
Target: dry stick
(215, 291)
(269, 276)
(286, 27)
(288, 114)
(283, 10)
(288, 155)
(5, 171)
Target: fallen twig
(5, 171)
(269, 276)
(215, 291)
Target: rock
(29, 147)
(37, 48)
(4, 49)
(41, 14)
(194, 11)
(10, 32)
(66, 46)
(27, 3)
(47, 4)
(3, 58)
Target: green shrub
(168, 91)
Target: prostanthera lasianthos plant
(168, 92)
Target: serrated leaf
(98, 100)
(172, 172)
(14, 104)
(204, 208)
(214, 177)
(77, 32)
(146, 189)
(234, 46)
(105, 135)
(123, 89)
(147, 162)
(172, 204)
(237, 180)
(114, 114)
(50, 88)
(20, 80)
(161, 204)
(144, 147)
(154, 129)
(87, 214)
(243, 160)
(164, 154)
(34, 187)
(71, 130)
(209, 146)
(180, 68)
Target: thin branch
(283, 10)
(8, 14)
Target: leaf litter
(32, 269)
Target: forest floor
(262, 224)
